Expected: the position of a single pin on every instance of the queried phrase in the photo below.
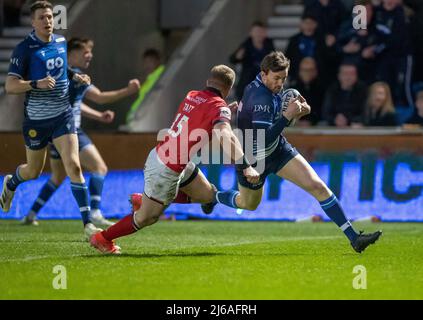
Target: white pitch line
(32, 258)
(230, 244)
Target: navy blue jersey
(259, 109)
(77, 92)
(34, 59)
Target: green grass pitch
(212, 260)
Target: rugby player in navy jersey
(39, 68)
(260, 111)
(79, 57)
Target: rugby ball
(286, 96)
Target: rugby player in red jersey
(169, 168)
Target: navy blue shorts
(284, 153)
(38, 133)
(83, 141)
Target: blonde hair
(388, 105)
(222, 75)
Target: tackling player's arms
(223, 132)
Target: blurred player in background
(169, 164)
(39, 68)
(261, 110)
(250, 53)
(153, 68)
(79, 58)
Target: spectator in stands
(391, 49)
(1, 17)
(153, 68)
(344, 101)
(352, 41)
(306, 43)
(250, 54)
(348, 5)
(417, 118)
(329, 15)
(417, 37)
(379, 110)
(311, 88)
(12, 12)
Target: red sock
(182, 198)
(123, 228)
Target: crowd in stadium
(351, 77)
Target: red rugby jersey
(193, 125)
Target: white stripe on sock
(40, 201)
(83, 209)
(345, 226)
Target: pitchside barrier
(383, 178)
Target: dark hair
(78, 43)
(258, 24)
(362, 2)
(348, 63)
(308, 15)
(275, 62)
(417, 88)
(40, 5)
(152, 53)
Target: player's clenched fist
(293, 110)
(305, 107)
(233, 107)
(82, 78)
(107, 116)
(133, 86)
(46, 83)
(252, 175)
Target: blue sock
(80, 193)
(227, 198)
(16, 180)
(334, 211)
(46, 192)
(96, 188)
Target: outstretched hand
(46, 83)
(82, 78)
(252, 175)
(107, 116)
(233, 107)
(134, 86)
